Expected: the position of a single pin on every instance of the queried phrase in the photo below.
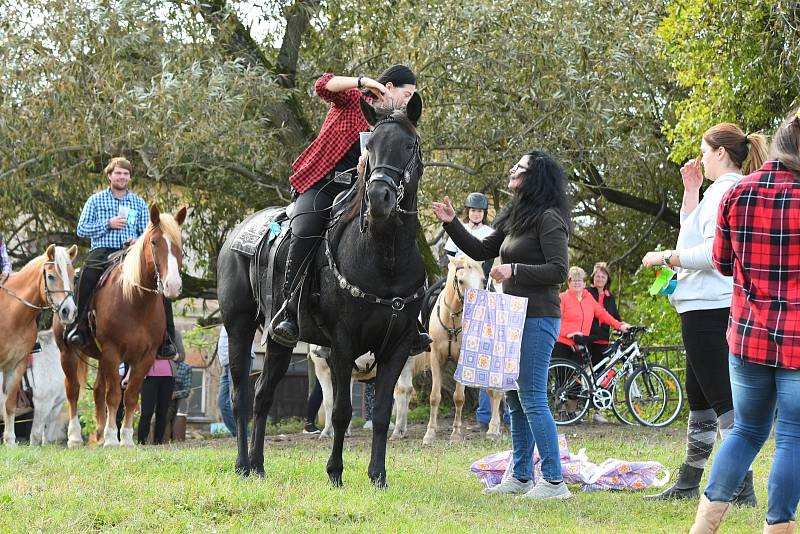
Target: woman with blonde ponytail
(756, 242)
(702, 297)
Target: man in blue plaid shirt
(112, 218)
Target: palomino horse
(363, 295)
(45, 282)
(445, 329)
(129, 326)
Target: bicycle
(623, 381)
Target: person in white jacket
(702, 298)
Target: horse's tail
(422, 362)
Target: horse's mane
(399, 116)
(132, 264)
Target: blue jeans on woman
(531, 420)
(757, 389)
(224, 400)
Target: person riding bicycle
(325, 169)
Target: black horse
(363, 293)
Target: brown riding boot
(709, 516)
(780, 528)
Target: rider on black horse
(326, 168)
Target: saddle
(114, 259)
(262, 236)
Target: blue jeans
(224, 400)
(531, 420)
(757, 389)
(483, 414)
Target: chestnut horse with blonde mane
(44, 283)
(129, 326)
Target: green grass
(193, 488)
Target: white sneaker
(509, 486)
(544, 490)
(598, 418)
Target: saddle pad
(252, 233)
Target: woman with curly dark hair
(531, 235)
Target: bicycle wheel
(568, 391)
(620, 402)
(654, 395)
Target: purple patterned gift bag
(491, 339)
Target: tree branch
(296, 25)
(595, 183)
(69, 149)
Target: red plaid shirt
(338, 133)
(758, 243)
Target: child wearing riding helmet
(476, 208)
(327, 168)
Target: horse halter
(394, 177)
(48, 293)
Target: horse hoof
(257, 472)
(396, 435)
(243, 471)
(493, 436)
(456, 438)
(428, 439)
(380, 483)
(74, 444)
(336, 481)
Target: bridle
(452, 332)
(48, 292)
(395, 177)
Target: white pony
(47, 382)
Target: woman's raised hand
(691, 174)
(444, 210)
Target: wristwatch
(359, 82)
(667, 257)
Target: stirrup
(278, 338)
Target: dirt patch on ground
(471, 431)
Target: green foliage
(737, 61)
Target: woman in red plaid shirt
(327, 167)
(758, 243)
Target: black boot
(746, 494)
(77, 337)
(167, 349)
(422, 342)
(686, 487)
(286, 332)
